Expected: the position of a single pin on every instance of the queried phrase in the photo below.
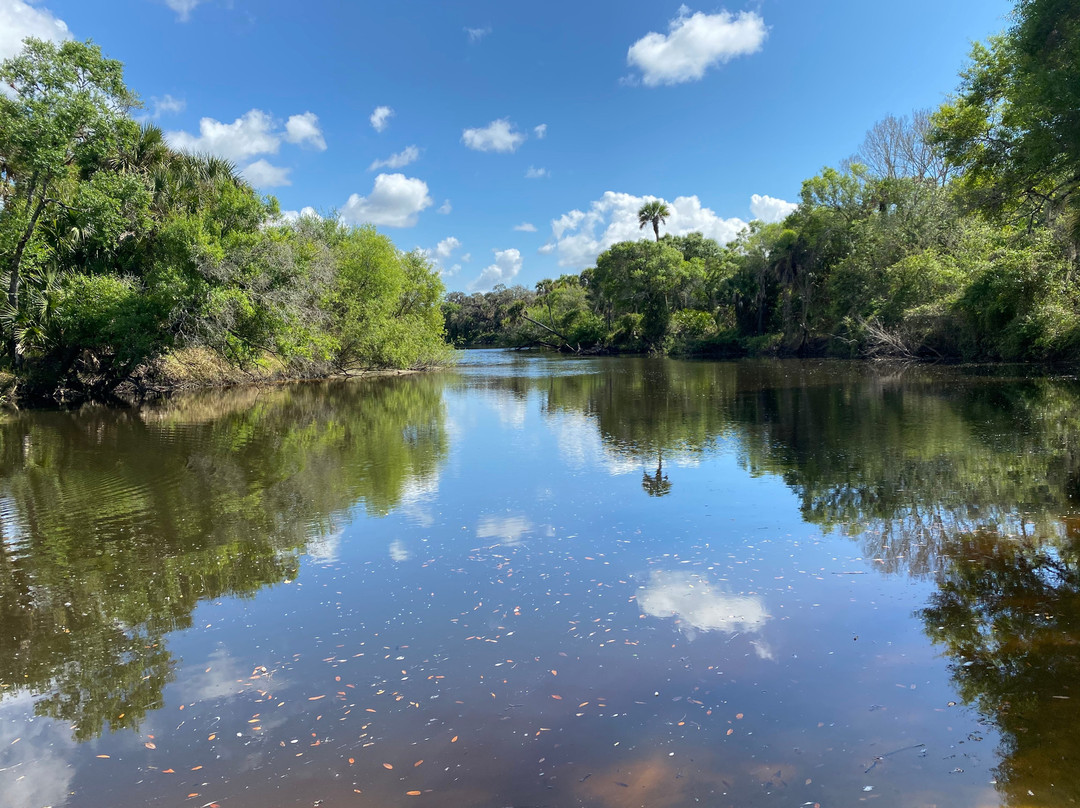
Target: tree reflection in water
(116, 524)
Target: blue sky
(498, 117)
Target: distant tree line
(953, 233)
(117, 249)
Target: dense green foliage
(953, 234)
(118, 249)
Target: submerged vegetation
(119, 250)
(950, 234)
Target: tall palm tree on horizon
(654, 213)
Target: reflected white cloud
(398, 551)
(34, 769)
(580, 445)
(507, 529)
(324, 549)
(699, 606)
(223, 679)
(511, 409)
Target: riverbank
(188, 370)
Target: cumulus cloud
(536, 173)
(506, 267)
(694, 43)
(541, 131)
(19, 19)
(380, 118)
(165, 105)
(183, 8)
(296, 215)
(252, 133)
(699, 606)
(447, 246)
(395, 201)
(769, 209)
(526, 227)
(476, 34)
(410, 154)
(305, 129)
(497, 136)
(580, 236)
(445, 207)
(262, 174)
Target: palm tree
(656, 213)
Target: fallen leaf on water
(352, 761)
(316, 698)
(730, 731)
(738, 715)
(212, 736)
(454, 739)
(387, 766)
(149, 745)
(103, 756)
(558, 698)
(417, 763)
(196, 768)
(168, 771)
(412, 793)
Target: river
(535, 580)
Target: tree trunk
(13, 282)
(656, 229)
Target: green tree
(66, 110)
(1013, 126)
(654, 213)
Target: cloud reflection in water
(699, 607)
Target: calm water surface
(536, 581)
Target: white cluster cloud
(250, 134)
(410, 154)
(183, 8)
(167, 105)
(380, 118)
(19, 19)
(506, 267)
(301, 129)
(541, 131)
(395, 201)
(253, 133)
(534, 173)
(580, 236)
(441, 253)
(526, 227)
(445, 248)
(497, 136)
(263, 174)
(445, 208)
(476, 34)
(769, 209)
(694, 43)
(295, 215)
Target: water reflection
(967, 479)
(533, 621)
(117, 523)
(697, 605)
(1007, 613)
